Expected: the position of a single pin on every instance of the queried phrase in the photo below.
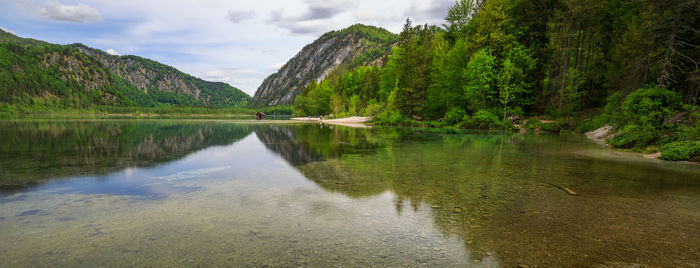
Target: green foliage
(484, 119)
(642, 116)
(392, 118)
(650, 105)
(371, 46)
(369, 32)
(634, 136)
(455, 116)
(458, 17)
(682, 150)
(36, 74)
(566, 58)
(480, 89)
(533, 124)
(389, 77)
(374, 108)
(591, 124)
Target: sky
(237, 42)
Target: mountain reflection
(306, 143)
(37, 151)
(496, 193)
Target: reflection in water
(160, 193)
(496, 192)
(36, 151)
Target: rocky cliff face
(353, 46)
(147, 75)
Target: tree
(506, 85)
(413, 70)
(480, 85)
(458, 17)
(437, 98)
(494, 28)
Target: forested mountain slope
(356, 45)
(77, 76)
(633, 63)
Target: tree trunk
(665, 75)
(565, 68)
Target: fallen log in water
(567, 190)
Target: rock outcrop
(354, 46)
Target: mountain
(79, 76)
(353, 46)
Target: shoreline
(353, 121)
(601, 134)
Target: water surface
(188, 193)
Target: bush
(533, 124)
(682, 150)
(374, 108)
(690, 131)
(634, 136)
(7, 109)
(434, 124)
(641, 116)
(390, 117)
(485, 120)
(455, 116)
(612, 111)
(592, 124)
(556, 128)
(650, 105)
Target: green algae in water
(164, 193)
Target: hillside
(499, 60)
(77, 76)
(354, 46)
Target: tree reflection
(36, 151)
(494, 190)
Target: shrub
(554, 127)
(650, 106)
(612, 111)
(592, 124)
(391, 117)
(374, 108)
(455, 116)
(682, 150)
(634, 136)
(533, 124)
(435, 124)
(7, 109)
(642, 116)
(485, 120)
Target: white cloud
(79, 13)
(237, 16)
(238, 42)
(112, 52)
(325, 9)
(216, 75)
(316, 19)
(431, 12)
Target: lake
(215, 193)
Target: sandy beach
(355, 121)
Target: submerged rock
(28, 213)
